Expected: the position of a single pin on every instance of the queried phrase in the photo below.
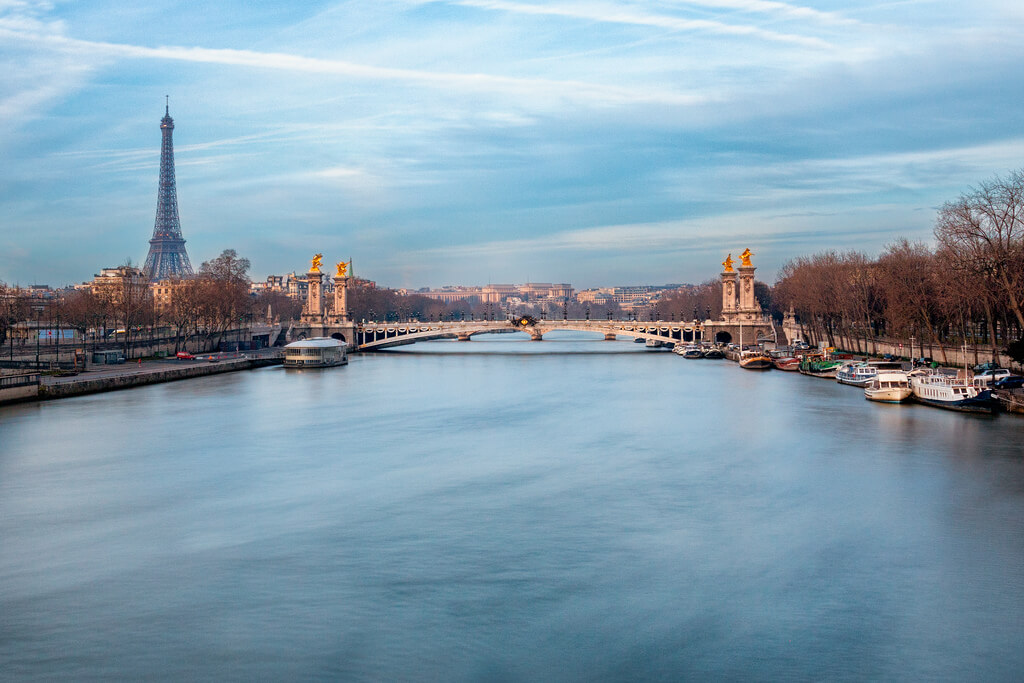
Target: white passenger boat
(318, 352)
(951, 392)
(888, 386)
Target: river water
(507, 510)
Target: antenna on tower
(167, 104)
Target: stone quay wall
(136, 378)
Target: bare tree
(81, 309)
(910, 280)
(696, 301)
(222, 289)
(984, 228)
(12, 309)
(280, 305)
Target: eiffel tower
(167, 256)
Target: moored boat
(854, 373)
(817, 365)
(859, 374)
(888, 386)
(692, 351)
(787, 363)
(714, 352)
(951, 392)
(755, 360)
(318, 352)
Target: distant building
(117, 284)
(164, 291)
(450, 295)
(602, 295)
(535, 292)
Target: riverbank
(126, 376)
(953, 356)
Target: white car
(988, 376)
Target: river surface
(505, 510)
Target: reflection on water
(502, 509)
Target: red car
(185, 355)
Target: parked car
(184, 355)
(1011, 382)
(982, 367)
(986, 377)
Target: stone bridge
(371, 336)
(741, 319)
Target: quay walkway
(100, 378)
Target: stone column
(314, 300)
(341, 298)
(747, 300)
(729, 291)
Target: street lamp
(38, 311)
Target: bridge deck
(380, 335)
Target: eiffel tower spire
(167, 256)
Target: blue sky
(475, 141)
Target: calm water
(507, 510)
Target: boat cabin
(318, 352)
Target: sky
(498, 141)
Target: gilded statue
(746, 257)
(318, 260)
(342, 269)
(727, 264)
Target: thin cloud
(578, 90)
(783, 9)
(685, 237)
(615, 15)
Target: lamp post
(37, 337)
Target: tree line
(966, 288)
(204, 306)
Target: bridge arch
(381, 335)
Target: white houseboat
(888, 386)
(318, 352)
(952, 392)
